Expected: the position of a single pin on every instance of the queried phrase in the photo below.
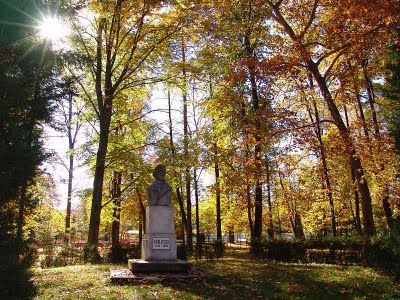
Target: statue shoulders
(168, 186)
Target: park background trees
(271, 116)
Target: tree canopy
(272, 117)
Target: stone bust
(159, 192)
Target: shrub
(181, 252)
(330, 250)
(91, 254)
(60, 256)
(383, 251)
(15, 275)
(121, 253)
(219, 248)
(257, 248)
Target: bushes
(60, 256)
(15, 275)
(121, 253)
(209, 250)
(181, 252)
(279, 249)
(218, 248)
(381, 251)
(330, 251)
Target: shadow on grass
(230, 279)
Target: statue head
(159, 173)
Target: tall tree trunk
(362, 185)
(299, 231)
(69, 197)
(257, 148)
(371, 96)
(71, 146)
(385, 188)
(142, 219)
(294, 215)
(217, 179)
(196, 196)
(270, 230)
(105, 112)
(217, 193)
(360, 108)
(142, 208)
(357, 220)
(325, 168)
(116, 195)
(140, 230)
(176, 175)
(289, 208)
(93, 236)
(189, 233)
(249, 206)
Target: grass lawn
(232, 277)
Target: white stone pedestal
(159, 241)
(159, 244)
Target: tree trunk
(105, 112)
(325, 169)
(69, 197)
(298, 227)
(176, 175)
(196, 197)
(257, 148)
(388, 210)
(116, 195)
(362, 185)
(371, 96)
(189, 232)
(249, 206)
(357, 220)
(142, 219)
(217, 193)
(270, 229)
(71, 147)
(142, 209)
(231, 236)
(93, 236)
(360, 108)
(371, 99)
(140, 230)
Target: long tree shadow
(247, 279)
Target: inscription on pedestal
(160, 243)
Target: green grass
(228, 278)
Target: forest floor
(235, 276)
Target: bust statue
(159, 192)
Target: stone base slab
(125, 276)
(143, 266)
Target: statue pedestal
(159, 244)
(159, 241)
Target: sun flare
(53, 29)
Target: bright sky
(56, 31)
(58, 143)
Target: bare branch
(113, 198)
(333, 62)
